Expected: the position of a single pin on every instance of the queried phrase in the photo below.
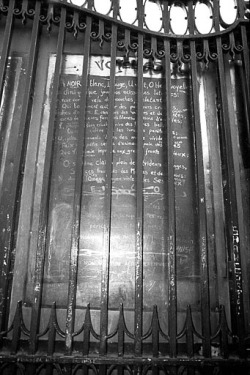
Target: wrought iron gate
(124, 188)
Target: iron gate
(106, 126)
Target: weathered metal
(25, 347)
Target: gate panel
(123, 190)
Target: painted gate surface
(124, 187)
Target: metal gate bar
(5, 241)
(246, 77)
(230, 198)
(170, 193)
(10, 195)
(245, 58)
(139, 194)
(43, 218)
(108, 196)
(75, 236)
(6, 44)
(201, 199)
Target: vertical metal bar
(240, 273)
(86, 332)
(6, 44)
(245, 99)
(246, 65)
(171, 220)
(108, 195)
(43, 219)
(245, 56)
(17, 323)
(121, 326)
(77, 194)
(9, 204)
(241, 7)
(231, 208)
(4, 263)
(139, 192)
(203, 245)
(189, 333)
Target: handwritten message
(123, 186)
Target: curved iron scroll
(232, 36)
(166, 31)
